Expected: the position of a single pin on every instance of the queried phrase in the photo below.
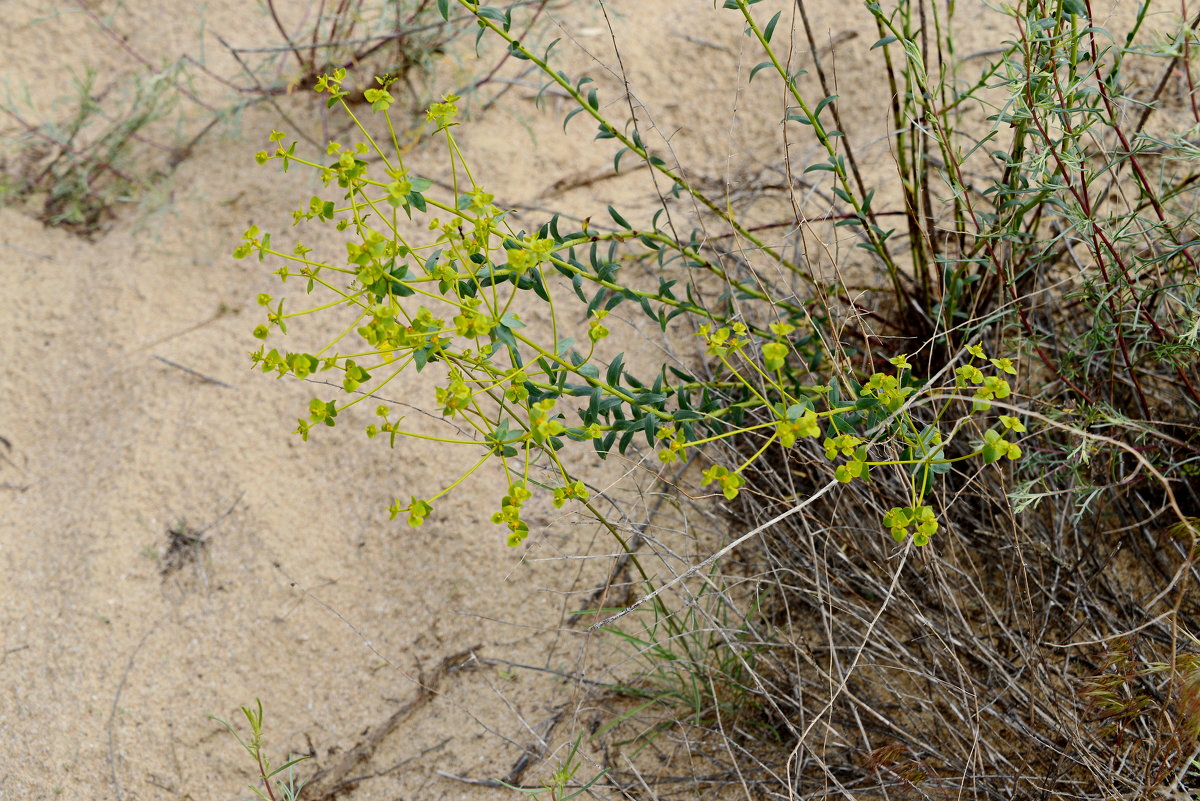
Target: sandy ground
(284, 579)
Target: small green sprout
(276, 789)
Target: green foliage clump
(447, 305)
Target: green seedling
(271, 786)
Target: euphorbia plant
(435, 279)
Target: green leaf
(569, 116)
(758, 68)
(284, 767)
(432, 261)
(651, 399)
(820, 106)
(650, 427)
(613, 376)
(797, 409)
(887, 40)
(770, 29)
(1076, 7)
(619, 219)
(444, 9)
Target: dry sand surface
(168, 550)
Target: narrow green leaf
(569, 116)
(650, 427)
(770, 29)
(758, 68)
(284, 767)
(619, 219)
(821, 106)
(613, 376)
